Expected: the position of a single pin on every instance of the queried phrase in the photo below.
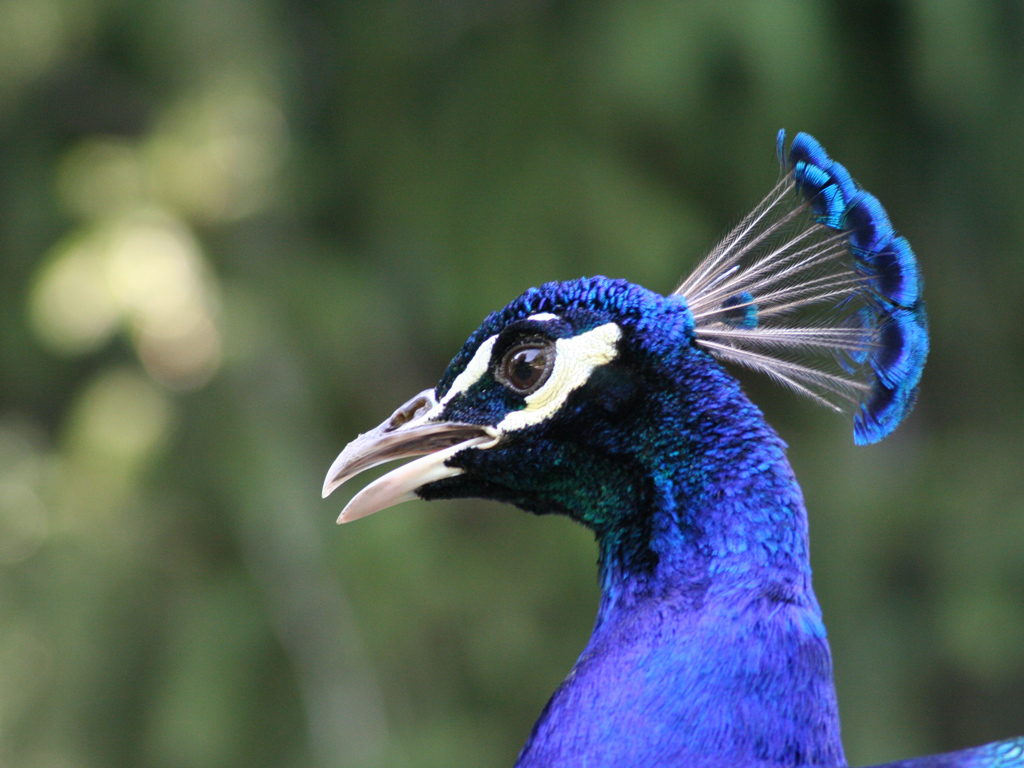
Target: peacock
(606, 402)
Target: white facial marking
(470, 374)
(543, 317)
(575, 359)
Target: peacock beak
(412, 430)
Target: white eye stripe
(471, 374)
(575, 359)
(478, 366)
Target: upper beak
(409, 432)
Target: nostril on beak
(411, 410)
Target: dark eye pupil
(525, 368)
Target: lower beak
(409, 432)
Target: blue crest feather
(815, 288)
(895, 273)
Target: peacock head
(549, 405)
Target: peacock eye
(526, 366)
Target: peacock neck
(725, 523)
(709, 647)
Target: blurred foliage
(234, 234)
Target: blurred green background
(234, 233)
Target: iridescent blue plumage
(999, 754)
(607, 402)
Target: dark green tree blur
(234, 234)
